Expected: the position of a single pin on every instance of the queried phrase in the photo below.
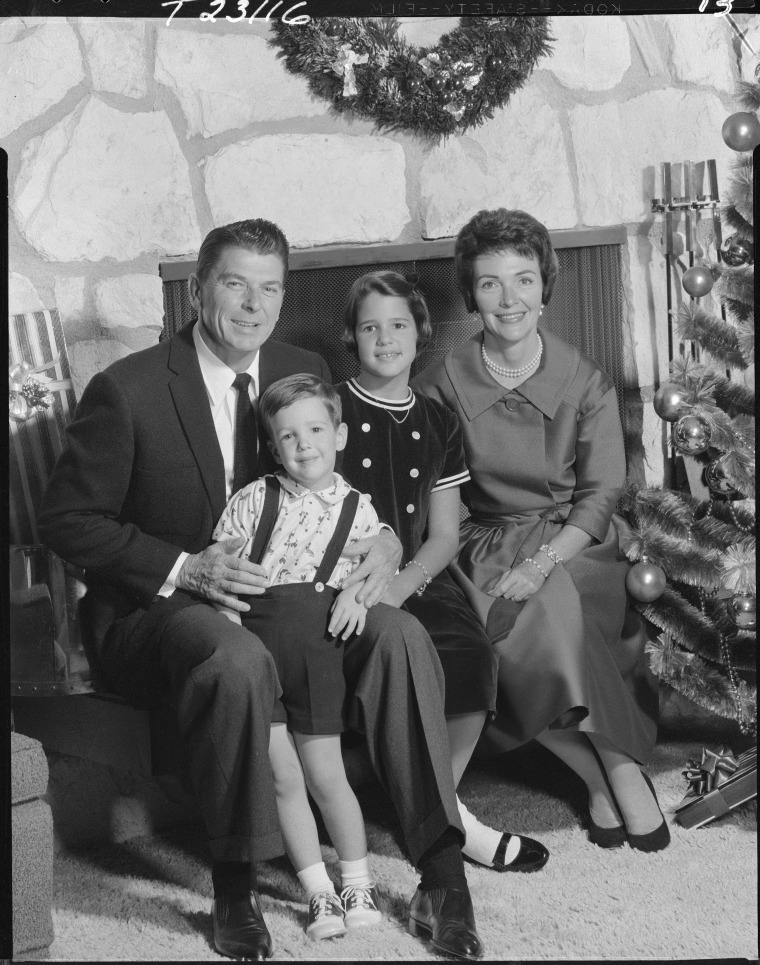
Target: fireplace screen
(586, 306)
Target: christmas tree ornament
(333, 28)
(737, 251)
(645, 581)
(436, 82)
(412, 85)
(667, 401)
(717, 481)
(749, 376)
(742, 609)
(457, 83)
(494, 62)
(691, 435)
(741, 131)
(697, 281)
(447, 97)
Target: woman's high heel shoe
(655, 840)
(614, 837)
(606, 837)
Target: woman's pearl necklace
(513, 373)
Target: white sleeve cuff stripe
(448, 481)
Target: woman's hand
(377, 569)
(519, 583)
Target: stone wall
(128, 140)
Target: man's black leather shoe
(239, 929)
(445, 916)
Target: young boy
(296, 525)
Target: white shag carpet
(149, 899)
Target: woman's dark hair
(386, 283)
(255, 234)
(503, 230)
(285, 392)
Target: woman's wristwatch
(428, 579)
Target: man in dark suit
(154, 451)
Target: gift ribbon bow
(344, 67)
(27, 395)
(713, 770)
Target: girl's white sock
(482, 841)
(315, 880)
(356, 874)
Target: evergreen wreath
(362, 65)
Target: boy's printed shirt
(306, 521)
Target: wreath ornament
(362, 66)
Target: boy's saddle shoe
(445, 916)
(239, 929)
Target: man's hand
(518, 584)
(347, 614)
(217, 576)
(382, 555)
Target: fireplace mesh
(586, 309)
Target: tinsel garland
(737, 284)
(684, 622)
(746, 335)
(739, 198)
(734, 395)
(700, 683)
(717, 337)
(362, 65)
(682, 559)
(748, 93)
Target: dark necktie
(246, 441)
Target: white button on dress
(414, 473)
(365, 427)
(366, 463)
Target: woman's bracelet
(552, 554)
(426, 575)
(529, 559)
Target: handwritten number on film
(242, 6)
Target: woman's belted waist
(556, 514)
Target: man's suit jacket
(142, 477)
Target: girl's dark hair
(284, 392)
(255, 234)
(503, 230)
(386, 283)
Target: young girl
(406, 452)
(296, 525)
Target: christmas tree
(694, 557)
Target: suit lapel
(188, 391)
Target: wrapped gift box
(46, 652)
(719, 785)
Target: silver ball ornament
(742, 609)
(645, 581)
(667, 401)
(741, 131)
(737, 251)
(717, 480)
(691, 435)
(697, 281)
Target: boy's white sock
(482, 841)
(355, 874)
(315, 880)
